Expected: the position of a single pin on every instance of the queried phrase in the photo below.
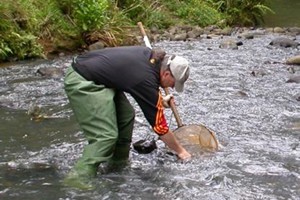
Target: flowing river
(240, 94)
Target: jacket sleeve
(160, 126)
(150, 101)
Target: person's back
(121, 68)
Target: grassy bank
(37, 28)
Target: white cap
(180, 70)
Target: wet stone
(145, 146)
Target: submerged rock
(50, 72)
(251, 34)
(294, 79)
(284, 42)
(29, 165)
(258, 73)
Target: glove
(166, 100)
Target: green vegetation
(242, 12)
(34, 28)
(195, 12)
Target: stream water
(240, 94)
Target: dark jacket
(127, 69)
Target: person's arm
(170, 140)
(150, 101)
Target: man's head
(174, 72)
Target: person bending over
(95, 84)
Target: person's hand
(166, 100)
(184, 156)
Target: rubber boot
(120, 157)
(80, 176)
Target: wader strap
(74, 62)
(75, 67)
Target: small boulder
(145, 146)
(284, 42)
(295, 60)
(294, 79)
(50, 72)
(96, 45)
(180, 37)
(278, 30)
(228, 44)
(226, 31)
(295, 30)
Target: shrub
(195, 12)
(151, 13)
(242, 12)
(25, 23)
(28, 25)
(16, 40)
(88, 15)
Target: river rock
(295, 30)
(229, 44)
(172, 30)
(284, 42)
(242, 93)
(295, 60)
(97, 45)
(50, 72)
(145, 146)
(258, 73)
(246, 35)
(226, 31)
(195, 33)
(278, 30)
(180, 37)
(179, 33)
(294, 79)
(251, 34)
(191, 35)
